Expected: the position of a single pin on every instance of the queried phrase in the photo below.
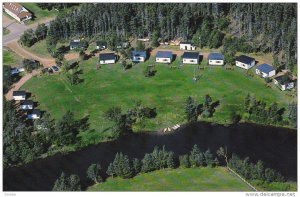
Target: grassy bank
(166, 91)
(193, 179)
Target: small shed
(107, 58)
(187, 46)
(75, 44)
(190, 58)
(138, 56)
(27, 104)
(245, 62)
(216, 59)
(265, 70)
(101, 45)
(164, 57)
(19, 95)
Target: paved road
(16, 29)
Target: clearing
(192, 179)
(166, 91)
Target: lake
(276, 147)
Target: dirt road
(16, 86)
(14, 46)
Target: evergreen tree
(209, 160)
(196, 157)
(93, 173)
(292, 114)
(121, 166)
(136, 165)
(190, 110)
(184, 161)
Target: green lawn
(39, 49)
(193, 179)
(10, 58)
(167, 91)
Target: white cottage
(216, 59)
(245, 62)
(265, 70)
(187, 46)
(164, 57)
(19, 95)
(190, 58)
(107, 58)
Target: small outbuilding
(216, 59)
(265, 70)
(34, 114)
(190, 58)
(27, 104)
(19, 95)
(284, 82)
(187, 46)
(164, 57)
(75, 44)
(138, 56)
(245, 62)
(107, 58)
(100, 45)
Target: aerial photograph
(149, 97)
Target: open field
(166, 91)
(193, 179)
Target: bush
(184, 161)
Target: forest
(244, 27)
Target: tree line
(160, 158)
(24, 140)
(248, 27)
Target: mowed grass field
(192, 179)
(166, 91)
(38, 12)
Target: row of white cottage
(243, 61)
(26, 105)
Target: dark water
(276, 147)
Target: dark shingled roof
(26, 102)
(107, 56)
(139, 54)
(190, 55)
(101, 43)
(19, 93)
(164, 54)
(75, 44)
(185, 43)
(266, 68)
(215, 56)
(283, 79)
(35, 111)
(245, 59)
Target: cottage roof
(245, 59)
(283, 79)
(164, 54)
(75, 43)
(26, 102)
(101, 43)
(185, 43)
(107, 56)
(19, 93)
(139, 54)
(36, 111)
(266, 68)
(190, 55)
(216, 56)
